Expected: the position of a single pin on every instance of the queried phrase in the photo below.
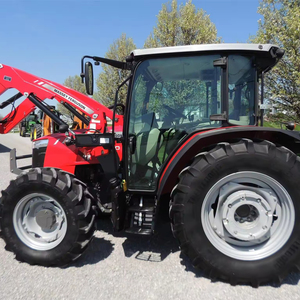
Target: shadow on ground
(98, 250)
(292, 279)
(4, 149)
(151, 248)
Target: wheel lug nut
(229, 205)
(258, 200)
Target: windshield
(171, 97)
(182, 92)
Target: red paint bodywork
(58, 155)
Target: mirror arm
(111, 62)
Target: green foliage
(175, 26)
(183, 25)
(278, 125)
(281, 26)
(73, 82)
(110, 78)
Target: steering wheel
(118, 105)
(173, 112)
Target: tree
(281, 26)
(185, 25)
(73, 82)
(110, 78)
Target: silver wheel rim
(40, 222)
(248, 216)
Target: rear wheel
(47, 217)
(235, 212)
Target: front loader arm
(42, 89)
(12, 119)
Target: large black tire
(25, 228)
(202, 213)
(37, 131)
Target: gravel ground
(119, 267)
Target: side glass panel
(171, 98)
(241, 89)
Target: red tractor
(189, 143)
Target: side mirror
(63, 128)
(89, 78)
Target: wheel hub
(46, 219)
(246, 216)
(243, 211)
(40, 221)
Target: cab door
(170, 99)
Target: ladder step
(141, 231)
(144, 209)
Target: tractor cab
(177, 91)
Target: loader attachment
(37, 90)
(13, 162)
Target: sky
(48, 37)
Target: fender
(199, 141)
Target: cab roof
(236, 47)
(267, 55)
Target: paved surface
(118, 267)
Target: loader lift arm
(36, 90)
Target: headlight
(40, 144)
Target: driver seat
(148, 140)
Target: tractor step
(141, 219)
(139, 231)
(144, 209)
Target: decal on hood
(69, 98)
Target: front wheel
(47, 217)
(235, 212)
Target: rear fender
(199, 141)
